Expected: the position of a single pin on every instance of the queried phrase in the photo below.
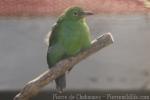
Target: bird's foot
(69, 70)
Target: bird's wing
(52, 35)
(46, 39)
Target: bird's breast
(73, 37)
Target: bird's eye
(75, 14)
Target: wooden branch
(34, 86)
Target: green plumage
(69, 36)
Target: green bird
(68, 37)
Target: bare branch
(34, 86)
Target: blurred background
(123, 65)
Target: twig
(34, 86)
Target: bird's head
(76, 13)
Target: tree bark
(34, 86)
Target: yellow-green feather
(69, 36)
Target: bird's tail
(61, 83)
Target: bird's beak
(86, 13)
